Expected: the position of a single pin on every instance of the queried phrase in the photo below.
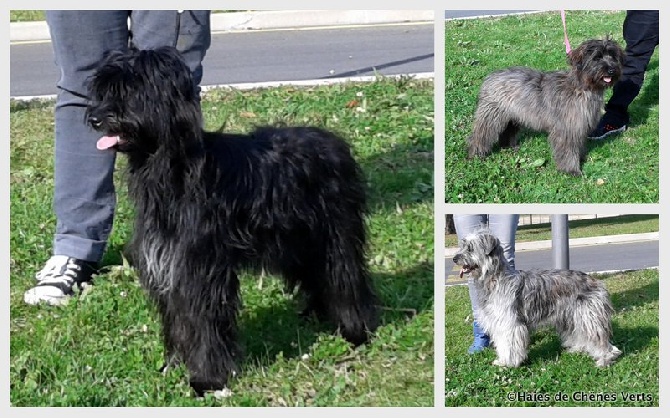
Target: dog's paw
(200, 388)
(609, 358)
(499, 363)
(606, 361)
(510, 363)
(170, 363)
(575, 172)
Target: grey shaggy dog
(513, 303)
(565, 104)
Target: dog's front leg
(208, 320)
(171, 357)
(511, 345)
(567, 149)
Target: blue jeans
(84, 195)
(502, 226)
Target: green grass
(624, 169)
(104, 349)
(582, 228)
(471, 380)
(26, 15)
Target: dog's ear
(490, 243)
(576, 57)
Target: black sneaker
(606, 127)
(59, 279)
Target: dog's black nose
(94, 121)
(611, 71)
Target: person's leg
(466, 224)
(188, 31)
(504, 228)
(640, 31)
(84, 196)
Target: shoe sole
(610, 133)
(32, 299)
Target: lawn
(104, 349)
(623, 169)
(551, 377)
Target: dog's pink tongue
(107, 142)
(607, 79)
(461, 273)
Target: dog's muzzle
(466, 269)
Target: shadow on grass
(635, 297)
(403, 175)
(277, 328)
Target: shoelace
(59, 267)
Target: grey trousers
(502, 226)
(84, 195)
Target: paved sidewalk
(575, 242)
(264, 20)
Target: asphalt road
(262, 56)
(588, 258)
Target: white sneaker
(59, 279)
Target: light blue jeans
(502, 226)
(84, 195)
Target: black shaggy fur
(290, 200)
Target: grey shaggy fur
(513, 303)
(565, 104)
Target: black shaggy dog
(207, 204)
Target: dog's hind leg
(344, 298)
(347, 289)
(508, 137)
(340, 288)
(487, 128)
(593, 328)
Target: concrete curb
(576, 242)
(264, 20)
